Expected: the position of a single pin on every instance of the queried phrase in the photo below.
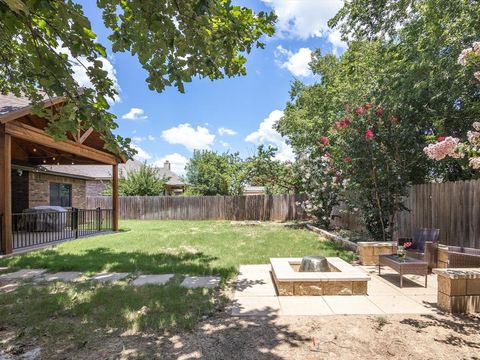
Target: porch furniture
(424, 245)
(404, 266)
(458, 290)
(370, 250)
(458, 257)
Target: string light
(44, 161)
(53, 158)
(34, 149)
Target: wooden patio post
(115, 197)
(6, 190)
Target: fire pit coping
(283, 271)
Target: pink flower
(477, 75)
(473, 136)
(379, 111)
(324, 140)
(476, 125)
(462, 58)
(360, 111)
(347, 121)
(443, 148)
(441, 138)
(368, 134)
(327, 154)
(368, 106)
(475, 163)
(347, 159)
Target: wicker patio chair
(424, 245)
(460, 257)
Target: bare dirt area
(436, 336)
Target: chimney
(166, 164)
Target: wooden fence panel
(257, 207)
(452, 207)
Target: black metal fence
(34, 229)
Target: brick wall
(39, 189)
(96, 187)
(19, 191)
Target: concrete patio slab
(351, 305)
(109, 277)
(152, 279)
(209, 282)
(65, 276)
(24, 274)
(304, 305)
(256, 306)
(398, 305)
(257, 269)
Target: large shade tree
(174, 41)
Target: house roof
(16, 114)
(104, 172)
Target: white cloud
(138, 139)
(224, 144)
(191, 138)
(141, 155)
(297, 63)
(151, 137)
(267, 135)
(226, 131)
(304, 19)
(177, 162)
(135, 114)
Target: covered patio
(24, 148)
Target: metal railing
(34, 229)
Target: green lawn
(83, 310)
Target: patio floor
(255, 295)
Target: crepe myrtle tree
(443, 147)
(375, 152)
(322, 183)
(42, 41)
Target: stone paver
(152, 279)
(109, 277)
(65, 276)
(398, 305)
(256, 306)
(24, 274)
(305, 305)
(351, 305)
(209, 282)
(255, 295)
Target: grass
(83, 310)
(181, 247)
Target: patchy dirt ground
(329, 337)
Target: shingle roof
(10, 103)
(104, 172)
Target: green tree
(277, 176)
(174, 41)
(145, 181)
(210, 173)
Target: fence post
(99, 219)
(75, 221)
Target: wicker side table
(404, 266)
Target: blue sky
(233, 114)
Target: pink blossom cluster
(477, 75)
(476, 125)
(473, 136)
(462, 58)
(474, 163)
(442, 149)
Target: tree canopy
(174, 42)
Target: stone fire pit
(341, 279)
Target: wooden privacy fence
(452, 207)
(257, 207)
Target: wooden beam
(85, 135)
(38, 136)
(6, 190)
(115, 197)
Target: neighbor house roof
(104, 172)
(12, 106)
